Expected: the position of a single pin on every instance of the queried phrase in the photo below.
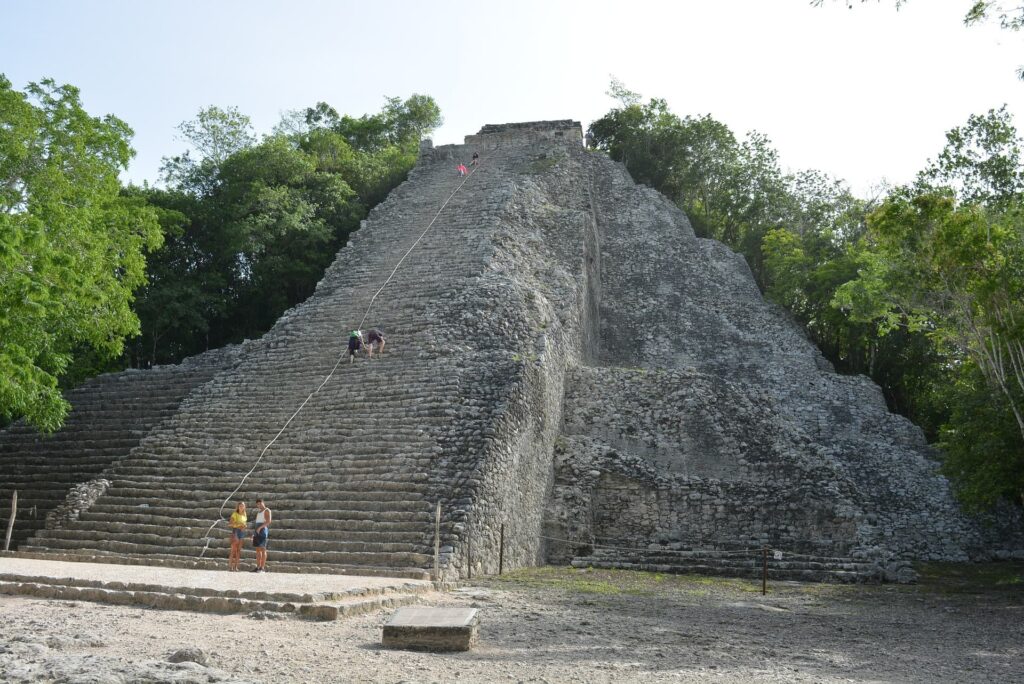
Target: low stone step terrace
(110, 415)
(317, 597)
(750, 564)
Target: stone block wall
(710, 422)
(528, 311)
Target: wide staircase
(351, 480)
(110, 414)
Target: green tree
(186, 293)
(283, 221)
(71, 246)
(981, 161)
(956, 273)
(214, 135)
(251, 226)
(372, 153)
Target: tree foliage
(71, 246)
(250, 226)
(945, 258)
(955, 272)
(243, 230)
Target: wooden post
(764, 572)
(437, 543)
(501, 549)
(10, 520)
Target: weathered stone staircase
(110, 415)
(354, 479)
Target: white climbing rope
(220, 514)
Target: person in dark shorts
(259, 537)
(374, 337)
(475, 161)
(355, 343)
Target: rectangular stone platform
(315, 596)
(432, 629)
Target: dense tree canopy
(71, 246)
(251, 225)
(243, 230)
(946, 258)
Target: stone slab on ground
(212, 579)
(317, 596)
(432, 629)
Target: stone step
(406, 558)
(27, 498)
(335, 455)
(281, 532)
(327, 605)
(36, 466)
(379, 491)
(837, 570)
(287, 540)
(295, 472)
(194, 589)
(304, 510)
(405, 523)
(218, 562)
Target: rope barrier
(207, 538)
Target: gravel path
(559, 625)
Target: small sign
(777, 555)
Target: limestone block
(432, 629)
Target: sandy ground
(562, 625)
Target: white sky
(863, 94)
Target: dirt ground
(960, 624)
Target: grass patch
(971, 578)
(593, 581)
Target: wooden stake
(437, 543)
(764, 572)
(501, 549)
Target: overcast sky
(862, 94)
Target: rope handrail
(220, 513)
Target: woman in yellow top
(237, 524)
